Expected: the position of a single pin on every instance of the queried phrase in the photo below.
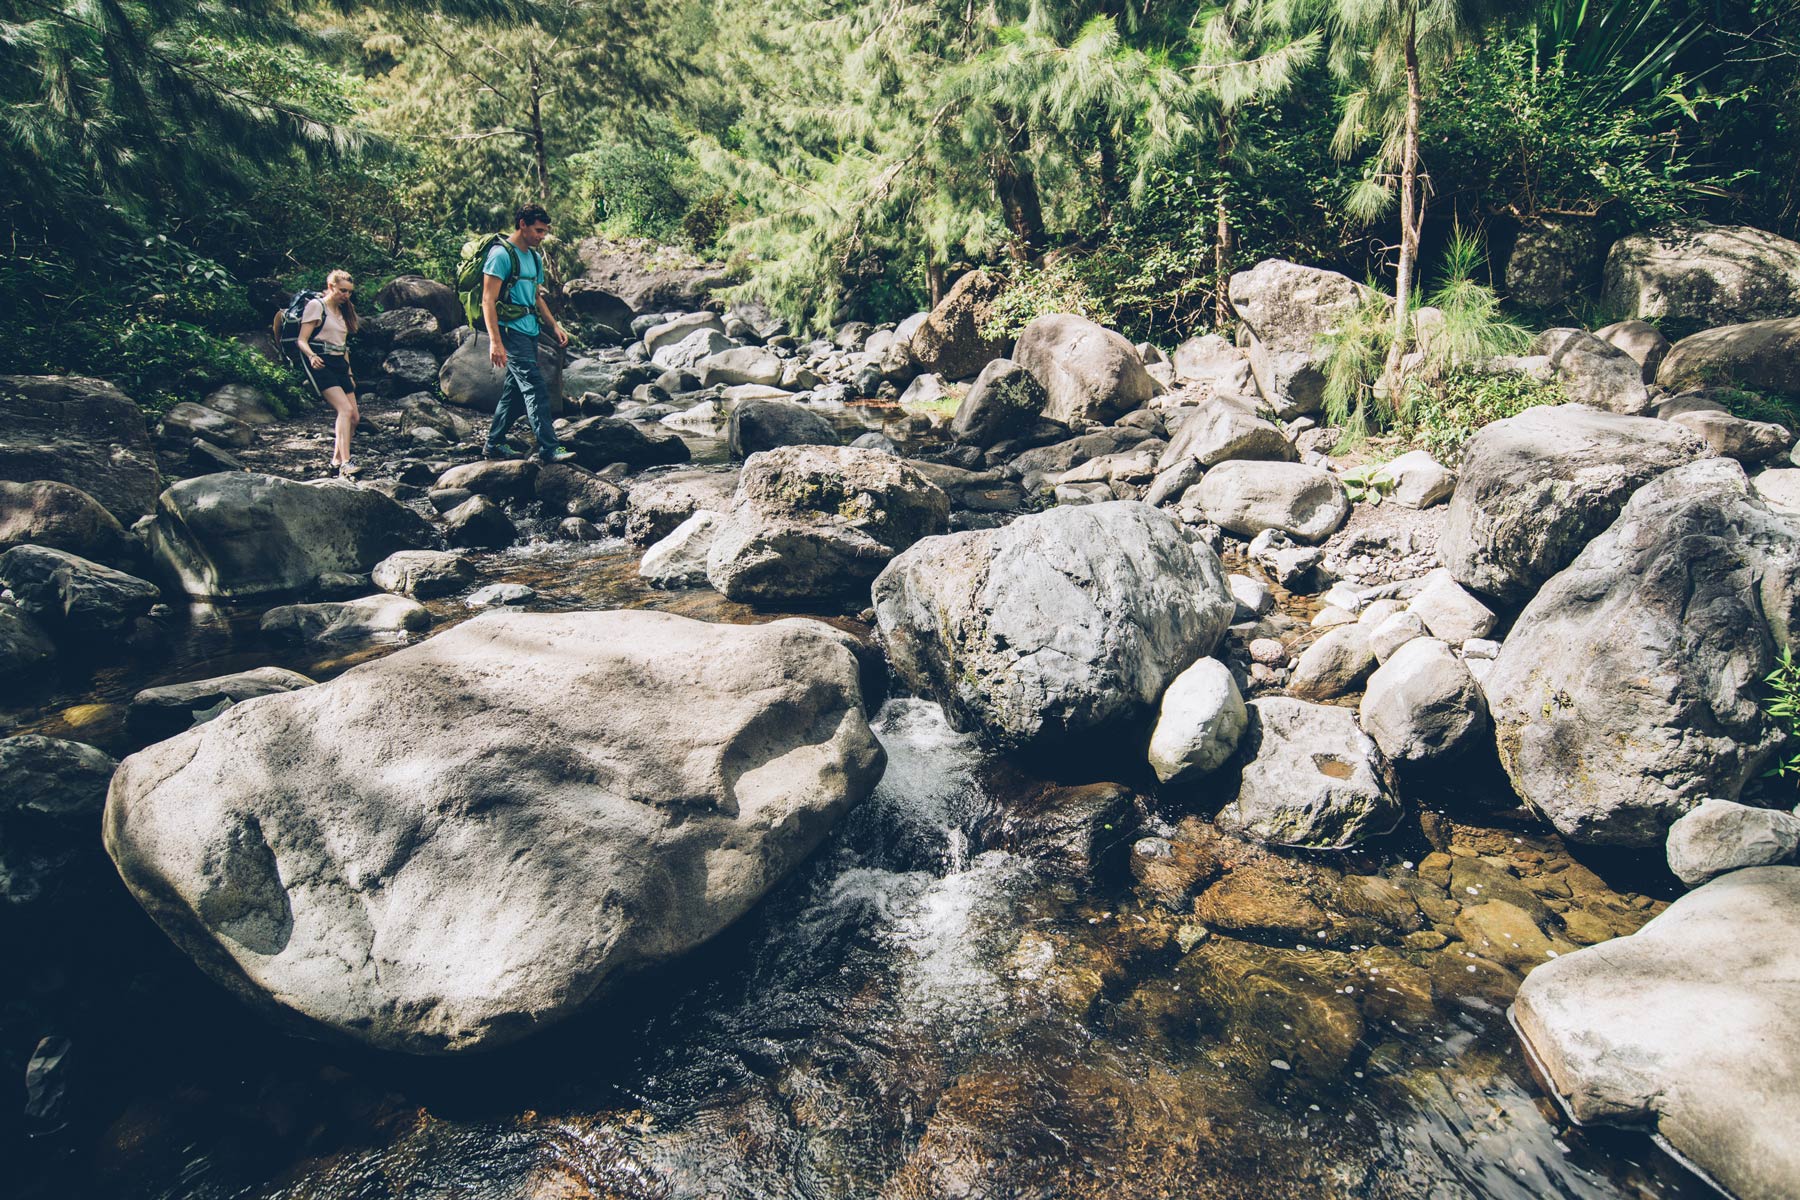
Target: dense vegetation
(177, 168)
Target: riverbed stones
(1536, 488)
(598, 442)
(1710, 274)
(1290, 564)
(1734, 437)
(242, 536)
(576, 492)
(1422, 705)
(509, 479)
(1005, 401)
(51, 794)
(1201, 718)
(60, 517)
(1593, 372)
(679, 560)
(82, 432)
(423, 574)
(949, 340)
(1335, 665)
(818, 523)
(25, 645)
(1722, 835)
(346, 620)
(1762, 356)
(162, 712)
(1641, 340)
(766, 424)
(680, 328)
(1089, 372)
(1287, 309)
(1246, 498)
(1629, 689)
(1689, 1027)
(1062, 624)
(538, 801)
(1225, 428)
(655, 503)
(479, 524)
(1393, 632)
(1449, 611)
(73, 596)
(1311, 779)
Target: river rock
(1710, 274)
(1734, 437)
(1687, 1026)
(51, 794)
(163, 712)
(508, 479)
(468, 378)
(679, 560)
(416, 291)
(82, 432)
(186, 421)
(676, 330)
(1223, 429)
(346, 620)
(598, 442)
(240, 536)
(576, 492)
(743, 364)
(60, 517)
(1641, 340)
(1422, 705)
(1005, 401)
(1721, 836)
(73, 596)
(409, 369)
(1594, 373)
(1335, 665)
(622, 787)
(1288, 563)
(1535, 488)
(51, 777)
(479, 523)
(249, 405)
(1449, 611)
(817, 523)
(1287, 309)
(1066, 622)
(1201, 718)
(423, 574)
(497, 594)
(1415, 480)
(1762, 356)
(766, 424)
(409, 326)
(1311, 779)
(949, 341)
(1629, 689)
(1393, 632)
(1089, 372)
(656, 503)
(688, 353)
(1215, 362)
(24, 644)
(1245, 498)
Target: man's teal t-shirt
(520, 289)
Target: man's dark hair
(530, 214)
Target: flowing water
(919, 1012)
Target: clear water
(913, 1014)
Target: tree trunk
(1017, 190)
(1411, 214)
(934, 279)
(1109, 176)
(537, 133)
(1222, 231)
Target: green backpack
(469, 277)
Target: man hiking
(511, 275)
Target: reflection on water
(912, 1015)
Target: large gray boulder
(1553, 261)
(1089, 372)
(1223, 429)
(1288, 309)
(766, 424)
(73, 596)
(1761, 356)
(187, 421)
(469, 379)
(1710, 274)
(1722, 836)
(1067, 622)
(237, 536)
(1641, 340)
(1630, 689)
(818, 523)
(744, 364)
(1005, 401)
(690, 350)
(655, 503)
(950, 341)
(1535, 488)
(1311, 779)
(82, 432)
(643, 276)
(1246, 497)
(1690, 1026)
(416, 291)
(491, 827)
(1422, 705)
(51, 794)
(1594, 372)
(678, 329)
(60, 517)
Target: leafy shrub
(160, 364)
(1442, 414)
(1783, 708)
(1031, 292)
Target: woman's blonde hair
(350, 318)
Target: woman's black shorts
(335, 373)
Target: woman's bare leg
(344, 404)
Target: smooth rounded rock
(1422, 705)
(1721, 836)
(1246, 498)
(1200, 721)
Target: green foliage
(1440, 415)
(1783, 709)
(1031, 292)
(1759, 406)
(161, 363)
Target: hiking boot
(559, 454)
(500, 453)
(348, 469)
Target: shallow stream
(929, 1008)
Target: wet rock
(1253, 599)
(1200, 721)
(1260, 903)
(1721, 836)
(1247, 498)
(240, 536)
(1687, 1026)
(72, 596)
(1761, 356)
(1072, 832)
(479, 523)
(679, 560)
(815, 523)
(598, 442)
(767, 424)
(1311, 779)
(512, 479)
(1089, 372)
(1713, 274)
(1422, 705)
(59, 517)
(533, 845)
(24, 644)
(1168, 870)
(346, 620)
(423, 574)
(1287, 309)
(1536, 488)
(82, 432)
(1062, 623)
(1335, 665)
(162, 712)
(575, 529)
(565, 488)
(53, 778)
(1593, 372)
(656, 503)
(1005, 401)
(1627, 690)
(949, 340)
(1449, 611)
(1734, 437)
(496, 594)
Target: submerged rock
(161, 712)
(468, 840)
(1690, 1026)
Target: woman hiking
(325, 328)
